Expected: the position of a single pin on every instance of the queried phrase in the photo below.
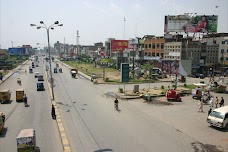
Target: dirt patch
(199, 147)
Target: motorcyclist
(116, 102)
(25, 99)
(18, 80)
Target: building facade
(154, 47)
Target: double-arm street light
(42, 25)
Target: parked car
(201, 76)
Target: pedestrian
(53, 112)
(212, 102)
(221, 103)
(210, 110)
(200, 104)
(216, 102)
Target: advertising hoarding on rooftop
(194, 24)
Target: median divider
(62, 132)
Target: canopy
(199, 84)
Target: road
(92, 123)
(36, 116)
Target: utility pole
(124, 29)
(78, 51)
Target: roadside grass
(88, 68)
(189, 86)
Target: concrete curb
(12, 72)
(62, 132)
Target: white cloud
(137, 6)
(116, 9)
(85, 3)
(174, 8)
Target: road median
(62, 132)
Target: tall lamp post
(42, 25)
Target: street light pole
(49, 53)
(49, 48)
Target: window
(158, 45)
(223, 42)
(145, 54)
(227, 50)
(162, 54)
(162, 45)
(153, 46)
(149, 54)
(145, 45)
(153, 54)
(226, 59)
(157, 54)
(149, 45)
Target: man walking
(53, 112)
(200, 104)
(221, 103)
(216, 102)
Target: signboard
(124, 72)
(194, 24)
(174, 53)
(18, 51)
(119, 45)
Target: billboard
(118, 45)
(18, 51)
(194, 24)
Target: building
(154, 47)
(222, 40)
(172, 50)
(108, 46)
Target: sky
(96, 20)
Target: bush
(168, 87)
(202, 82)
(106, 79)
(162, 92)
(185, 85)
(121, 90)
(162, 87)
(174, 86)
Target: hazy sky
(96, 20)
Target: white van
(219, 117)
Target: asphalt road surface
(92, 123)
(36, 116)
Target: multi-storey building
(154, 47)
(172, 51)
(222, 40)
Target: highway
(36, 116)
(92, 123)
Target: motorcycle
(19, 81)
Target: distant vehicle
(40, 78)
(201, 76)
(37, 74)
(40, 86)
(219, 117)
(55, 70)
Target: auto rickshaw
(73, 73)
(5, 96)
(173, 95)
(19, 81)
(26, 141)
(19, 95)
(60, 70)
